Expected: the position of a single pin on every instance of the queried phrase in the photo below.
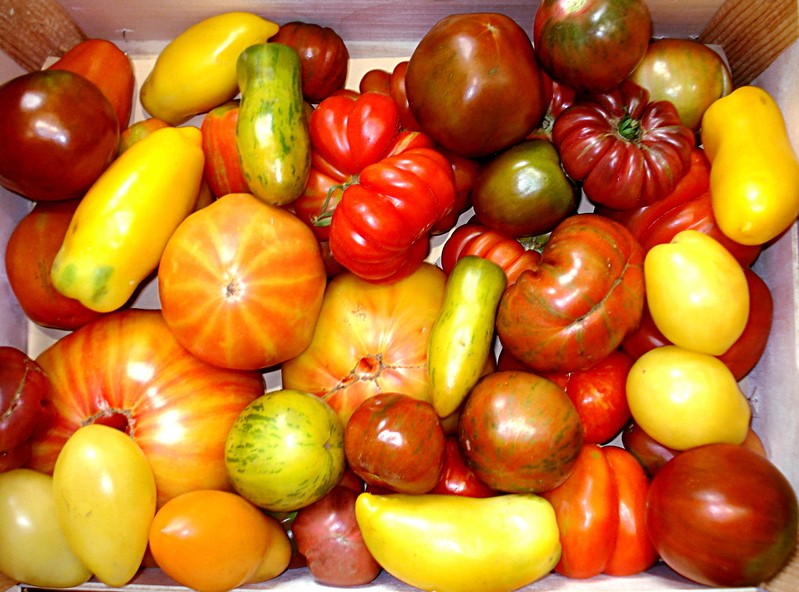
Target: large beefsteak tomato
(580, 302)
(369, 339)
(127, 370)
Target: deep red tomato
(474, 239)
(456, 476)
(24, 387)
(376, 80)
(600, 396)
(222, 169)
(465, 171)
(560, 96)
(323, 56)
(580, 302)
(241, 283)
(519, 432)
(600, 510)
(722, 515)
(127, 370)
(395, 442)
(30, 251)
(591, 45)
(57, 148)
(474, 85)
(626, 150)
(107, 66)
(747, 350)
(327, 535)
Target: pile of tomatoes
(571, 224)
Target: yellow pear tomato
(684, 398)
(696, 292)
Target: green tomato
(105, 499)
(285, 450)
(33, 548)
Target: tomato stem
(629, 127)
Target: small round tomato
(214, 541)
(457, 478)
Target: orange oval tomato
(214, 541)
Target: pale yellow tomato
(696, 292)
(683, 399)
(105, 500)
(33, 548)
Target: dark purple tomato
(59, 133)
(520, 432)
(722, 515)
(591, 45)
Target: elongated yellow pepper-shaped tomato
(124, 221)
(452, 543)
(754, 175)
(196, 71)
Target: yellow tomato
(452, 543)
(33, 548)
(214, 541)
(105, 499)
(696, 292)
(683, 399)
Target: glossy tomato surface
(591, 45)
(59, 134)
(127, 370)
(474, 85)
(722, 515)
(457, 478)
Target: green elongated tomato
(462, 335)
(105, 500)
(453, 543)
(272, 134)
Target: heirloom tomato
(519, 432)
(723, 516)
(457, 478)
(626, 150)
(215, 541)
(137, 131)
(560, 96)
(127, 370)
(33, 548)
(30, 252)
(241, 283)
(523, 191)
(474, 85)
(222, 169)
(592, 45)
(601, 512)
(370, 338)
(59, 133)
(685, 72)
(475, 239)
(585, 296)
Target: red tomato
(214, 541)
(560, 97)
(241, 283)
(722, 515)
(107, 66)
(600, 396)
(327, 535)
(323, 56)
(626, 150)
(370, 338)
(456, 476)
(127, 370)
(747, 350)
(580, 302)
(395, 442)
(376, 80)
(222, 169)
(399, 92)
(465, 171)
(30, 251)
(591, 45)
(600, 510)
(57, 148)
(519, 432)
(474, 85)
(24, 388)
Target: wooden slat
(32, 30)
(752, 34)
